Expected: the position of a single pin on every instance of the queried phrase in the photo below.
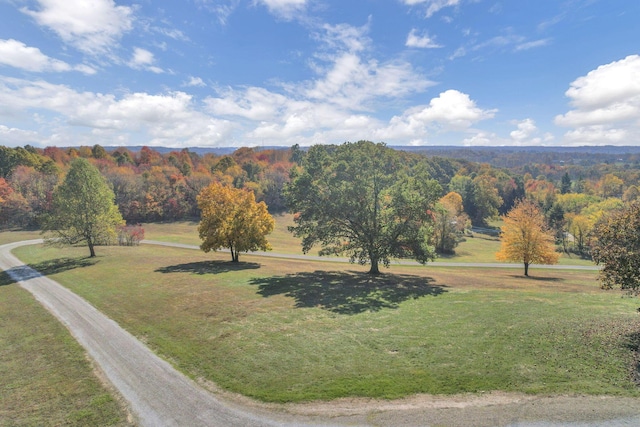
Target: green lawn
(46, 378)
(480, 248)
(297, 330)
(187, 232)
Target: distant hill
(496, 156)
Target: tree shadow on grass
(348, 292)
(632, 342)
(537, 278)
(209, 267)
(44, 268)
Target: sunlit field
(296, 330)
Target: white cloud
(143, 59)
(13, 136)
(606, 104)
(424, 41)
(348, 79)
(522, 135)
(432, 6)
(452, 110)
(285, 9)
(598, 135)
(169, 119)
(16, 54)
(194, 82)
(532, 45)
(342, 37)
(481, 139)
(351, 83)
(254, 103)
(93, 26)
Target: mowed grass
(290, 331)
(45, 376)
(479, 248)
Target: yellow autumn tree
(232, 219)
(526, 238)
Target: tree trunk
(92, 252)
(526, 269)
(374, 266)
(234, 255)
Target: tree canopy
(83, 209)
(364, 200)
(617, 248)
(526, 238)
(232, 219)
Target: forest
(571, 188)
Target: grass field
(480, 248)
(297, 330)
(45, 377)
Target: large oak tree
(83, 209)
(364, 200)
(232, 219)
(617, 248)
(526, 238)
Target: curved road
(158, 395)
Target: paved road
(395, 262)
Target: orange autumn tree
(526, 238)
(232, 219)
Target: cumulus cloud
(432, 6)
(526, 128)
(16, 54)
(423, 42)
(169, 119)
(143, 59)
(194, 82)
(92, 26)
(14, 136)
(606, 104)
(451, 110)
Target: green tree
(83, 209)
(362, 199)
(565, 185)
(232, 219)
(617, 248)
(525, 237)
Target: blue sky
(279, 72)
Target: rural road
(158, 395)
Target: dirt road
(158, 395)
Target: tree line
(152, 186)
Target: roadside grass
(480, 248)
(291, 331)
(46, 378)
(18, 235)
